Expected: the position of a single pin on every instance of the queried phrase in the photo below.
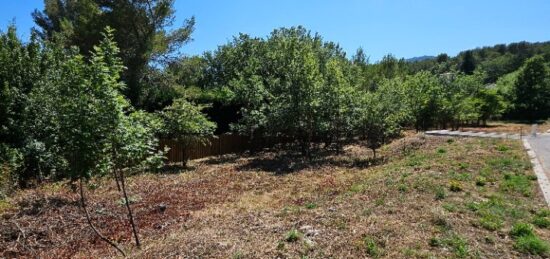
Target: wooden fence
(181, 151)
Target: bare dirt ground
(430, 197)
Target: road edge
(539, 171)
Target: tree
(338, 103)
(143, 32)
(184, 122)
(532, 90)
(24, 69)
(424, 100)
(443, 57)
(468, 64)
(133, 145)
(377, 122)
(88, 109)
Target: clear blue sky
(404, 28)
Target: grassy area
(435, 197)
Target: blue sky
(405, 28)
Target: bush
(9, 162)
(440, 194)
(491, 222)
(527, 241)
(541, 222)
(455, 186)
(542, 219)
(371, 247)
(533, 245)
(293, 236)
(481, 181)
(521, 230)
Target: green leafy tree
(88, 107)
(145, 32)
(468, 64)
(183, 121)
(338, 101)
(295, 106)
(424, 100)
(532, 90)
(441, 58)
(379, 118)
(25, 67)
(133, 145)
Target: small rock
(306, 227)
(162, 207)
(309, 231)
(309, 243)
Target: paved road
(541, 146)
(457, 133)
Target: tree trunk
(88, 218)
(130, 214)
(114, 157)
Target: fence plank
(216, 145)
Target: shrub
(293, 236)
(491, 222)
(311, 206)
(542, 219)
(371, 247)
(541, 222)
(533, 245)
(517, 183)
(502, 148)
(527, 241)
(455, 186)
(521, 230)
(481, 181)
(440, 193)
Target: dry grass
(281, 205)
(508, 127)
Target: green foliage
(458, 244)
(468, 65)
(532, 245)
(72, 120)
(481, 181)
(532, 90)
(145, 34)
(521, 229)
(455, 186)
(527, 241)
(184, 121)
(440, 193)
(491, 222)
(382, 113)
(542, 219)
(517, 183)
(293, 236)
(371, 247)
(25, 67)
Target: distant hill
(421, 58)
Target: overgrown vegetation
(88, 96)
(389, 210)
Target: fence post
(220, 145)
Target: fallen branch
(88, 218)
